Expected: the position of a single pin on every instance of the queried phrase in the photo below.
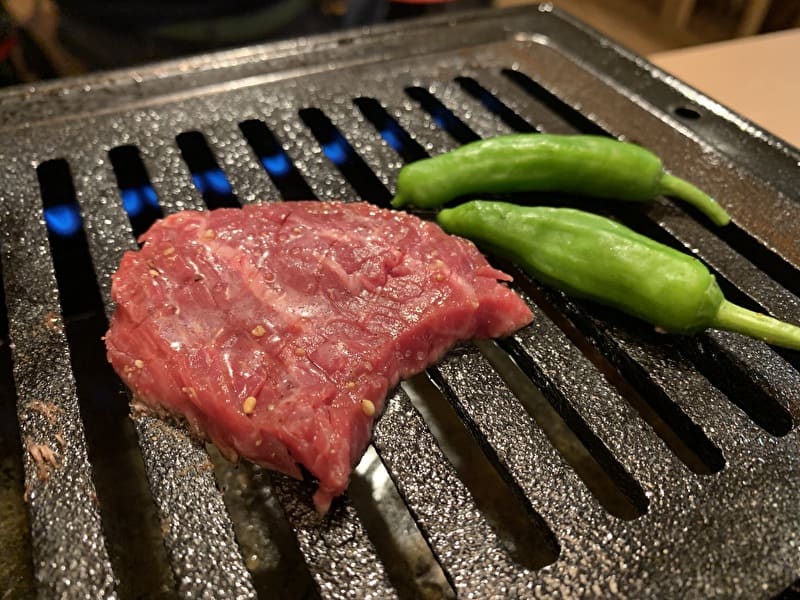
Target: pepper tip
(683, 190)
(398, 201)
(723, 220)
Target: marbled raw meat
(275, 331)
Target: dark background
(43, 39)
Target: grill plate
(733, 533)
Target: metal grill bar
(418, 123)
(197, 530)
(340, 556)
(752, 374)
(501, 424)
(337, 550)
(306, 154)
(249, 181)
(671, 374)
(361, 135)
(169, 175)
(67, 559)
(468, 109)
(469, 551)
(752, 359)
(583, 388)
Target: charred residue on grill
(16, 568)
(129, 518)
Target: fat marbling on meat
(276, 330)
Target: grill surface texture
(730, 532)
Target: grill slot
(238, 115)
(683, 437)
(139, 197)
(178, 469)
(667, 374)
(276, 162)
(442, 115)
(767, 262)
(383, 162)
(573, 118)
(336, 549)
(248, 179)
(408, 559)
(269, 548)
(207, 176)
(494, 105)
(390, 130)
(459, 535)
(306, 154)
(77, 288)
(522, 533)
(129, 521)
(747, 371)
(561, 397)
(344, 157)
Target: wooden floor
(635, 23)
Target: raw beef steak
(276, 330)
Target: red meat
(276, 330)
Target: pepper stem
(741, 320)
(675, 186)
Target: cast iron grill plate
(733, 532)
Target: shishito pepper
(593, 257)
(579, 164)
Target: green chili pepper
(580, 164)
(593, 257)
